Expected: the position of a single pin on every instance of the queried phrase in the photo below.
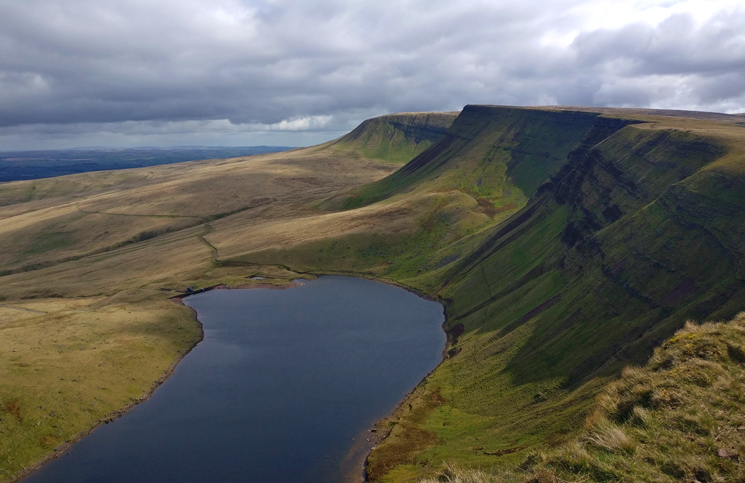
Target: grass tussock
(453, 473)
(611, 438)
(679, 418)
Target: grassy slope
(84, 362)
(634, 235)
(678, 418)
(554, 285)
(396, 138)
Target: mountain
(636, 228)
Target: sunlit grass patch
(69, 366)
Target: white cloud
(309, 123)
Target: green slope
(483, 154)
(636, 231)
(566, 244)
(396, 138)
(678, 418)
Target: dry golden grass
(405, 439)
(234, 240)
(83, 214)
(72, 363)
(453, 473)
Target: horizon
(320, 139)
(135, 148)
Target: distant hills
(20, 165)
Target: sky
(80, 73)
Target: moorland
(567, 245)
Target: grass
(72, 363)
(678, 418)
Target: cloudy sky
(299, 72)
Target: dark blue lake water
(284, 385)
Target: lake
(283, 388)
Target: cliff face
(488, 150)
(616, 219)
(630, 229)
(531, 143)
(636, 234)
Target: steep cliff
(636, 227)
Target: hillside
(396, 138)
(566, 244)
(633, 234)
(678, 418)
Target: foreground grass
(681, 417)
(66, 365)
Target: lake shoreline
(61, 449)
(367, 440)
(178, 299)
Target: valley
(565, 243)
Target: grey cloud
(673, 47)
(711, 90)
(259, 63)
(675, 63)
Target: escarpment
(631, 225)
